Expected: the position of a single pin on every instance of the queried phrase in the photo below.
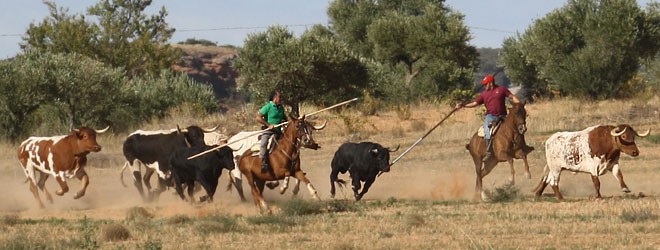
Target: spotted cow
(62, 157)
(594, 150)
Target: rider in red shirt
(493, 98)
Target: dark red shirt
(493, 99)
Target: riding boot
(489, 150)
(264, 164)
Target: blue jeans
(487, 120)
(264, 143)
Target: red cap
(487, 79)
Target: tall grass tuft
(505, 193)
(301, 207)
(135, 213)
(634, 214)
(114, 232)
(218, 224)
(10, 219)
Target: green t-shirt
(272, 113)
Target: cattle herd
(194, 156)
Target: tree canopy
(588, 48)
(314, 68)
(123, 37)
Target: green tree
(424, 41)
(588, 48)
(123, 37)
(314, 68)
(40, 88)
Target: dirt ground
(438, 169)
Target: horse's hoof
(59, 192)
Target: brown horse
(508, 143)
(284, 161)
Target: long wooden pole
(420, 139)
(264, 130)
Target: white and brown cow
(62, 157)
(594, 150)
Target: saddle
(256, 147)
(494, 126)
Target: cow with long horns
(363, 161)
(63, 156)
(594, 150)
(153, 149)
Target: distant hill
(209, 65)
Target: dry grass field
(425, 202)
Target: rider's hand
(458, 106)
(271, 126)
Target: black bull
(205, 169)
(363, 161)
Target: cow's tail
(230, 182)
(121, 177)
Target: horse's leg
(616, 171)
(296, 188)
(285, 185)
(478, 187)
(256, 194)
(300, 175)
(527, 174)
(260, 186)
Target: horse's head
(303, 132)
(518, 117)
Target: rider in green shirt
(268, 116)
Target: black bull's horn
(396, 149)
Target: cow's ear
(374, 151)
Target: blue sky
(230, 21)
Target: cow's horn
(322, 125)
(102, 130)
(648, 131)
(396, 149)
(179, 130)
(211, 129)
(614, 133)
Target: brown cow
(59, 156)
(594, 150)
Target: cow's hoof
(78, 195)
(625, 190)
(59, 192)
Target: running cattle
(205, 169)
(60, 157)
(363, 161)
(153, 149)
(594, 150)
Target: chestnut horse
(507, 145)
(284, 161)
